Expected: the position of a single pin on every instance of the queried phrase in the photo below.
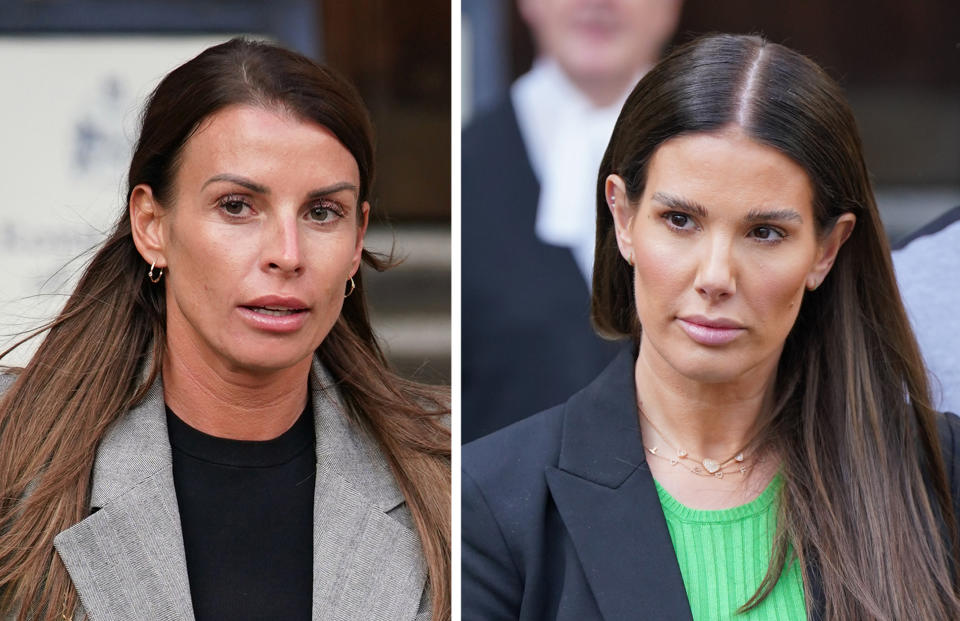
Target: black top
(527, 342)
(246, 511)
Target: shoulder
(948, 424)
(940, 228)
(489, 127)
(493, 149)
(6, 380)
(504, 501)
(922, 258)
(504, 491)
(515, 455)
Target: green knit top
(723, 557)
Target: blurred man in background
(529, 200)
(928, 271)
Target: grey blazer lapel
(126, 559)
(368, 562)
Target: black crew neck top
(246, 511)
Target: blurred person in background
(928, 271)
(209, 428)
(529, 177)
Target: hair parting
(866, 507)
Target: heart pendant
(711, 465)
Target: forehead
(261, 142)
(727, 169)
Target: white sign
(69, 117)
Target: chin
(266, 360)
(710, 374)
(714, 366)
(593, 64)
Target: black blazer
(561, 518)
(527, 343)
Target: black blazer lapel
(609, 504)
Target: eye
(678, 221)
(320, 214)
(767, 234)
(325, 211)
(234, 206)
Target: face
(724, 245)
(602, 39)
(259, 243)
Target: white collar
(565, 136)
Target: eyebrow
(774, 215)
(243, 181)
(333, 189)
(754, 215)
(680, 204)
(262, 189)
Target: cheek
(331, 261)
(775, 292)
(209, 260)
(659, 270)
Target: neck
(233, 404)
(603, 89)
(714, 420)
(602, 93)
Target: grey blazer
(127, 560)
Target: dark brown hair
(87, 371)
(865, 501)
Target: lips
(278, 314)
(711, 331)
(271, 304)
(275, 312)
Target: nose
(281, 247)
(715, 279)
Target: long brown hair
(88, 370)
(865, 499)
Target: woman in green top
(766, 448)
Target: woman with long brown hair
(765, 448)
(209, 428)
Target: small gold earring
(150, 273)
(63, 612)
(352, 287)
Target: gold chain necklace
(705, 467)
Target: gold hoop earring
(150, 273)
(352, 287)
(63, 613)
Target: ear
(615, 191)
(146, 216)
(828, 249)
(361, 232)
